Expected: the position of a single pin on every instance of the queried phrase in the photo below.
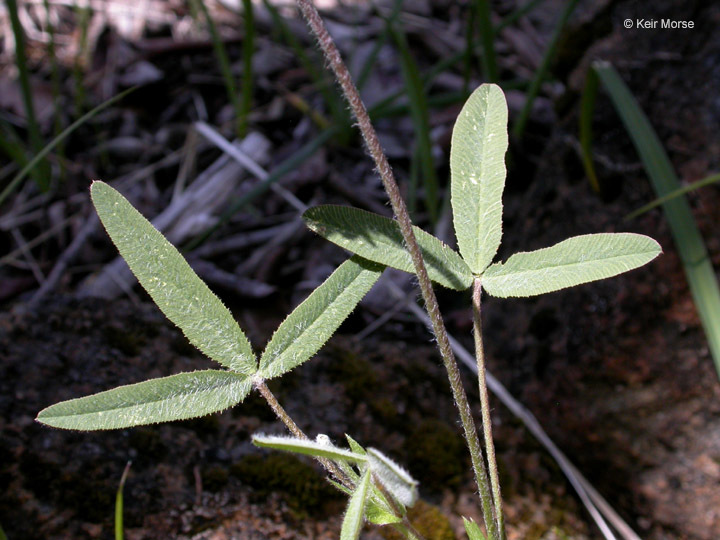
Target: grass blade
(421, 120)
(57, 140)
(587, 107)
(179, 293)
(541, 72)
(487, 37)
(574, 261)
(355, 513)
(690, 245)
(311, 324)
(119, 527)
(178, 397)
(379, 239)
(224, 64)
(477, 175)
(41, 174)
(290, 164)
(674, 194)
(248, 48)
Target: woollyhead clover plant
(477, 167)
(188, 302)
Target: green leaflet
(307, 447)
(473, 530)
(178, 397)
(379, 239)
(353, 520)
(477, 171)
(312, 323)
(577, 260)
(179, 293)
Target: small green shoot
(541, 72)
(473, 530)
(119, 527)
(366, 502)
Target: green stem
(485, 406)
(431, 305)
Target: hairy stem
(401, 214)
(485, 406)
(284, 417)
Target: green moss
(428, 520)
(302, 487)
(354, 372)
(436, 455)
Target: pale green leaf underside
(306, 447)
(178, 397)
(574, 261)
(179, 293)
(353, 520)
(477, 175)
(379, 239)
(312, 323)
(395, 479)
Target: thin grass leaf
(224, 64)
(421, 120)
(698, 268)
(307, 447)
(673, 194)
(179, 293)
(587, 107)
(574, 261)
(477, 172)
(541, 72)
(119, 503)
(396, 480)
(487, 36)
(311, 324)
(354, 515)
(178, 397)
(378, 44)
(41, 173)
(2, 534)
(513, 17)
(332, 99)
(379, 239)
(277, 174)
(473, 530)
(248, 48)
(57, 140)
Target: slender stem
(284, 417)
(485, 406)
(398, 205)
